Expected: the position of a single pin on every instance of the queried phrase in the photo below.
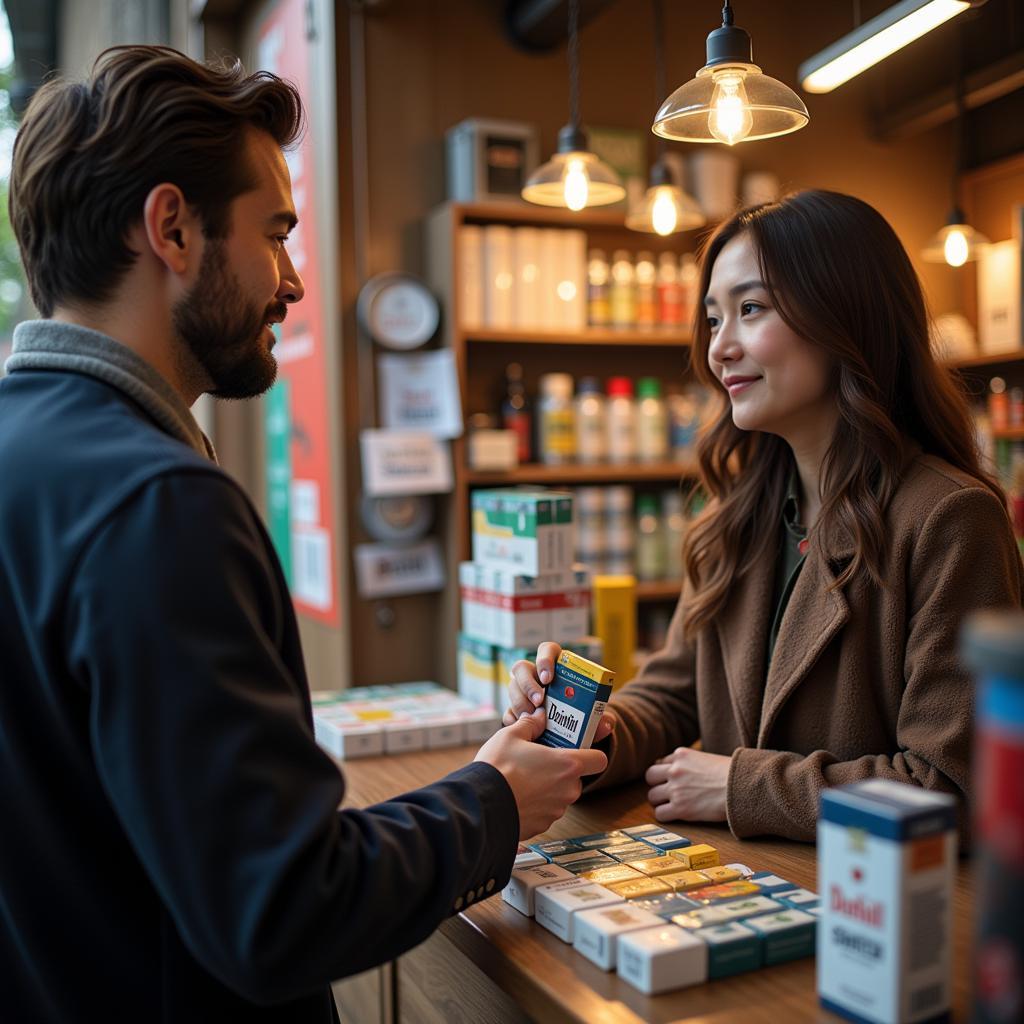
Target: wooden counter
(490, 963)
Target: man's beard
(223, 330)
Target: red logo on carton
(859, 909)
(570, 692)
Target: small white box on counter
(523, 884)
(661, 959)
(556, 905)
(886, 861)
(597, 931)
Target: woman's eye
(712, 322)
(749, 307)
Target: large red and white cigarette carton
(886, 861)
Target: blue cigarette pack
(575, 700)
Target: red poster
(285, 49)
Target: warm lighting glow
(955, 248)
(576, 184)
(730, 120)
(855, 53)
(566, 291)
(663, 212)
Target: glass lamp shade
(730, 103)
(575, 179)
(665, 209)
(956, 244)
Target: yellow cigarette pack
(615, 622)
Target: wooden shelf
(662, 590)
(998, 359)
(1009, 434)
(658, 336)
(633, 472)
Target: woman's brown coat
(864, 682)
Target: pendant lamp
(957, 243)
(665, 208)
(574, 177)
(730, 100)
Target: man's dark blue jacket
(171, 846)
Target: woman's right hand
(526, 688)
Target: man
(172, 846)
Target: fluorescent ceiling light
(875, 40)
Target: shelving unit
(481, 355)
(1010, 434)
(1013, 359)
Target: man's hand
(689, 785)
(544, 781)
(526, 688)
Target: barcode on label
(311, 567)
(926, 998)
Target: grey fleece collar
(53, 345)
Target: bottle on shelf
(620, 530)
(591, 546)
(591, 422)
(674, 517)
(557, 432)
(689, 285)
(515, 411)
(651, 421)
(684, 414)
(621, 420)
(670, 299)
(646, 291)
(650, 540)
(623, 290)
(599, 311)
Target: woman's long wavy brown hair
(840, 278)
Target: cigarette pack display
(615, 873)
(667, 905)
(597, 931)
(736, 910)
(665, 840)
(555, 906)
(799, 899)
(684, 881)
(886, 860)
(732, 948)
(656, 866)
(554, 847)
(633, 888)
(663, 958)
(476, 672)
(523, 884)
(528, 859)
(574, 701)
(719, 875)
(788, 935)
(603, 840)
(724, 893)
(348, 740)
(771, 884)
(632, 851)
(578, 856)
(480, 724)
(403, 736)
(695, 858)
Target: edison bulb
(730, 119)
(576, 184)
(664, 215)
(955, 248)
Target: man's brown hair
(88, 153)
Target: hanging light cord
(726, 13)
(659, 67)
(958, 120)
(574, 63)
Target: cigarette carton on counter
(886, 860)
(476, 673)
(523, 532)
(574, 701)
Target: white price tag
(388, 570)
(404, 462)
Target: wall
(431, 63)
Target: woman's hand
(526, 689)
(689, 785)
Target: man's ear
(172, 230)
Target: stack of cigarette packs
(367, 721)
(522, 588)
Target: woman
(851, 529)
